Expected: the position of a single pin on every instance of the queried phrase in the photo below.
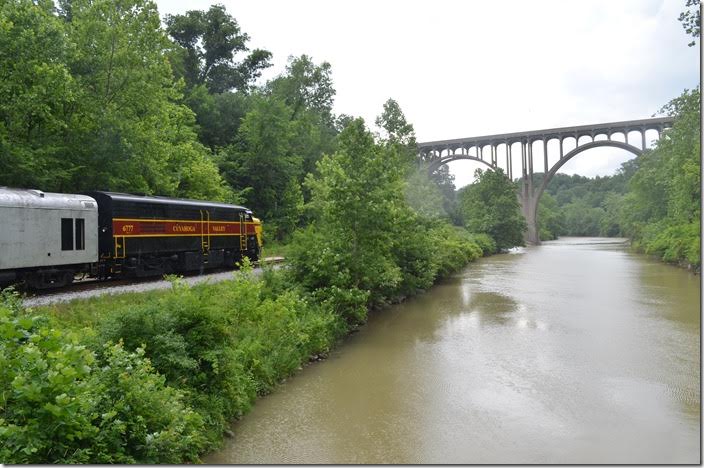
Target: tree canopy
(98, 105)
(490, 206)
(210, 43)
(691, 20)
(662, 210)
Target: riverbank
(204, 354)
(684, 263)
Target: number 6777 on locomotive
(48, 238)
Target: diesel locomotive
(46, 239)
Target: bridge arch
(457, 157)
(535, 198)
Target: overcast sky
(469, 68)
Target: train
(47, 239)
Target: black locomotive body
(149, 236)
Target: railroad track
(91, 287)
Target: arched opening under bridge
(530, 197)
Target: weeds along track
(92, 288)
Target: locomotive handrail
(204, 235)
(208, 234)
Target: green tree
(662, 211)
(211, 41)
(423, 195)
(445, 182)
(211, 55)
(291, 208)
(490, 206)
(130, 132)
(592, 197)
(395, 126)
(263, 163)
(422, 189)
(37, 93)
(218, 116)
(681, 149)
(307, 90)
(581, 219)
(305, 86)
(346, 255)
(550, 218)
(90, 102)
(691, 20)
(610, 224)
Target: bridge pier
(529, 207)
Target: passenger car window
(66, 234)
(80, 234)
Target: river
(576, 351)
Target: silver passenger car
(46, 237)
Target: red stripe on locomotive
(176, 228)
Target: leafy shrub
(490, 205)
(348, 303)
(662, 211)
(457, 249)
(61, 404)
(416, 248)
(676, 243)
(190, 338)
(485, 242)
(226, 343)
(421, 252)
(141, 420)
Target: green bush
(141, 420)
(224, 344)
(456, 249)
(676, 243)
(348, 303)
(490, 205)
(321, 264)
(191, 342)
(662, 211)
(416, 248)
(365, 246)
(213, 349)
(485, 242)
(60, 403)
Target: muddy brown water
(575, 351)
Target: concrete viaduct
(437, 153)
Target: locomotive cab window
(80, 234)
(66, 234)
